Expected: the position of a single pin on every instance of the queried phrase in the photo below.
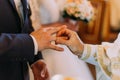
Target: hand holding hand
(44, 37)
(71, 39)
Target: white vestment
(64, 63)
(106, 58)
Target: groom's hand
(40, 70)
(71, 39)
(44, 37)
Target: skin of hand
(44, 37)
(40, 70)
(71, 39)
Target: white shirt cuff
(35, 45)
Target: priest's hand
(71, 39)
(40, 71)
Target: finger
(56, 29)
(61, 32)
(64, 37)
(55, 47)
(47, 29)
(64, 32)
(60, 40)
(62, 26)
(43, 72)
(53, 38)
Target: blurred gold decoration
(69, 78)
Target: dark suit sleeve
(16, 47)
(29, 29)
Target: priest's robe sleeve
(106, 56)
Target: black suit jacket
(16, 45)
